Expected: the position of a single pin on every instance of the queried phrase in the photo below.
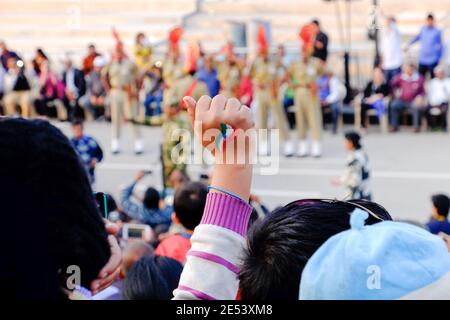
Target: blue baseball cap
(388, 260)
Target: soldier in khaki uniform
(308, 115)
(177, 118)
(172, 71)
(264, 75)
(229, 73)
(120, 77)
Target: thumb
(190, 104)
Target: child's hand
(212, 112)
(207, 114)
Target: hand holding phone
(137, 231)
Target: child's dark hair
(442, 204)
(55, 220)
(151, 198)
(152, 278)
(189, 203)
(77, 122)
(354, 138)
(280, 246)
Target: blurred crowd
(204, 239)
(284, 92)
(210, 238)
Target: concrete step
(31, 19)
(99, 6)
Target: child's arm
(212, 266)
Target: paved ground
(407, 168)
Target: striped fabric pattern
(212, 265)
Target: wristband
(227, 192)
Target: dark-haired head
(41, 54)
(152, 278)
(430, 20)
(52, 212)
(441, 204)
(280, 246)
(354, 138)
(189, 203)
(77, 128)
(151, 198)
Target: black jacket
(79, 80)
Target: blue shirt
(324, 87)
(430, 45)
(137, 210)
(436, 226)
(88, 149)
(211, 81)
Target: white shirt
(391, 48)
(337, 91)
(9, 81)
(438, 91)
(70, 81)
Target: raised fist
(214, 114)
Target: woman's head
(151, 198)
(53, 221)
(152, 278)
(40, 56)
(280, 246)
(140, 37)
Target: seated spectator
(155, 94)
(44, 183)
(331, 94)
(88, 61)
(374, 96)
(278, 247)
(188, 206)
(40, 58)
(438, 98)
(386, 261)
(88, 149)
(439, 215)
(75, 88)
(95, 97)
(17, 89)
(5, 54)
(148, 210)
(152, 278)
(410, 85)
(50, 90)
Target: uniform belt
(302, 86)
